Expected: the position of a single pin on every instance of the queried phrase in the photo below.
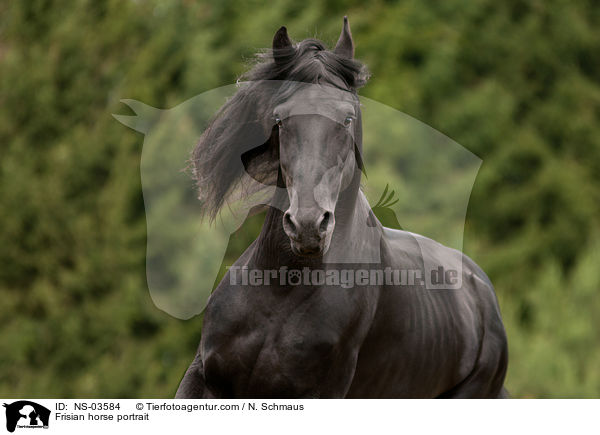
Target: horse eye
(347, 121)
(278, 121)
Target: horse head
(318, 129)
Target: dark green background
(516, 82)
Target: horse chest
(273, 354)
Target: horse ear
(345, 45)
(282, 45)
(281, 39)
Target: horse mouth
(307, 251)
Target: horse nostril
(324, 222)
(288, 223)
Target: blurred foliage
(516, 82)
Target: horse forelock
(309, 62)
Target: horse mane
(241, 136)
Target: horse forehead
(319, 100)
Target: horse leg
(192, 385)
(486, 380)
(480, 384)
(503, 394)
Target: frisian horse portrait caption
(323, 301)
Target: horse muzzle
(309, 231)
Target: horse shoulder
(464, 321)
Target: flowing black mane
(241, 136)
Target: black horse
(374, 340)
